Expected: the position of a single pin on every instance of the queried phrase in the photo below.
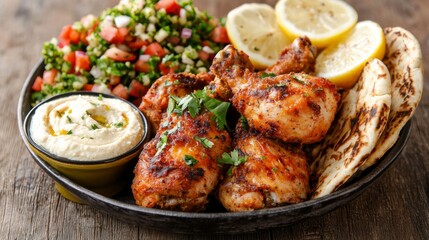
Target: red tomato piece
(203, 55)
(137, 89)
(170, 6)
(165, 69)
(220, 35)
(142, 66)
(114, 80)
(109, 33)
(37, 85)
(83, 36)
(87, 87)
(120, 91)
(119, 55)
(65, 33)
(155, 49)
(82, 61)
(137, 44)
(121, 35)
(74, 36)
(49, 76)
(71, 58)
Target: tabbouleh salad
(129, 46)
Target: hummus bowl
(90, 155)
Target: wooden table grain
(396, 206)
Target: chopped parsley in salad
(128, 47)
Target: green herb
(94, 126)
(319, 89)
(274, 169)
(281, 85)
(191, 103)
(218, 108)
(69, 119)
(205, 142)
(306, 94)
(189, 160)
(100, 97)
(298, 80)
(119, 124)
(244, 123)
(162, 142)
(168, 83)
(234, 159)
(256, 49)
(70, 132)
(265, 74)
(263, 157)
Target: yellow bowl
(106, 177)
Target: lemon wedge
(323, 21)
(342, 62)
(253, 29)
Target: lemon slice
(253, 29)
(323, 21)
(342, 62)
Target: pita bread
(404, 60)
(361, 119)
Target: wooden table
(396, 206)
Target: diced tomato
(203, 55)
(165, 69)
(71, 58)
(87, 87)
(83, 36)
(170, 6)
(155, 49)
(120, 91)
(74, 36)
(220, 35)
(119, 55)
(37, 85)
(65, 33)
(137, 44)
(82, 61)
(206, 43)
(142, 66)
(109, 33)
(114, 80)
(49, 76)
(174, 40)
(121, 34)
(137, 89)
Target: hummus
(86, 128)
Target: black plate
(215, 219)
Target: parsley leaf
(265, 74)
(70, 132)
(118, 124)
(100, 97)
(162, 142)
(189, 160)
(298, 80)
(205, 142)
(232, 158)
(244, 122)
(69, 119)
(94, 126)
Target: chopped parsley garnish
(233, 158)
(265, 74)
(195, 101)
(119, 124)
(189, 160)
(244, 122)
(298, 79)
(168, 83)
(70, 132)
(319, 89)
(274, 169)
(100, 97)
(163, 139)
(256, 49)
(69, 119)
(205, 142)
(94, 126)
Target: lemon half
(253, 29)
(342, 62)
(323, 21)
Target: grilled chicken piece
(155, 102)
(300, 56)
(294, 107)
(274, 174)
(166, 175)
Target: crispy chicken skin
(164, 180)
(295, 107)
(155, 102)
(274, 174)
(299, 56)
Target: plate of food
(163, 116)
